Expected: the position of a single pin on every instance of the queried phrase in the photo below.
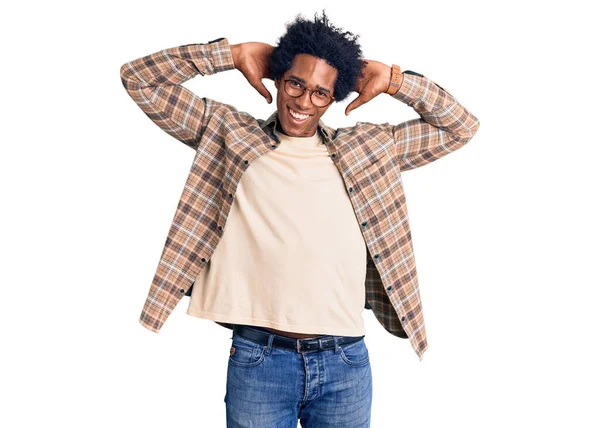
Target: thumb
(260, 87)
(357, 102)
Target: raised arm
(154, 83)
(444, 126)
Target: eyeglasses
(296, 89)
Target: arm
(444, 126)
(154, 83)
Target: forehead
(314, 71)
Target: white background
(505, 229)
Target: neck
(279, 128)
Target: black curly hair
(322, 40)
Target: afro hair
(321, 39)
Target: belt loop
(298, 345)
(335, 344)
(269, 343)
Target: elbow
(123, 70)
(468, 131)
(474, 127)
(128, 79)
(123, 75)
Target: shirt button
(220, 228)
(376, 256)
(246, 162)
(273, 146)
(389, 288)
(182, 291)
(364, 223)
(350, 189)
(203, 259)
(402, 319)
(333, 155)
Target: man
(286, 228)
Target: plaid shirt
(370, 158)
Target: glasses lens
(293, 89)
(320, 99)
(296, 89)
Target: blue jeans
(273, 387)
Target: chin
(296, 130)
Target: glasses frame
(304, 89)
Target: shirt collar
(325, 130)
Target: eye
(294, 83)
(321, 94)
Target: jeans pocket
(245, 353)
(355, 354)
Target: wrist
(235, 53)
(396, 79)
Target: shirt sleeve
(154, 83)
(444, 124)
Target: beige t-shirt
(292, 256)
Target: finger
(357, 102)
(260, 87)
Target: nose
(304, 101)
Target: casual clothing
(292, 256)
(270, 386)
(227, 143)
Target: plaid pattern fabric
(370, 158)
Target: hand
(252, 59)
(375, 80)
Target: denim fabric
(272, 387)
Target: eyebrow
(304, 82)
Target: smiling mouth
(298, 117)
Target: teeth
(298, 115)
